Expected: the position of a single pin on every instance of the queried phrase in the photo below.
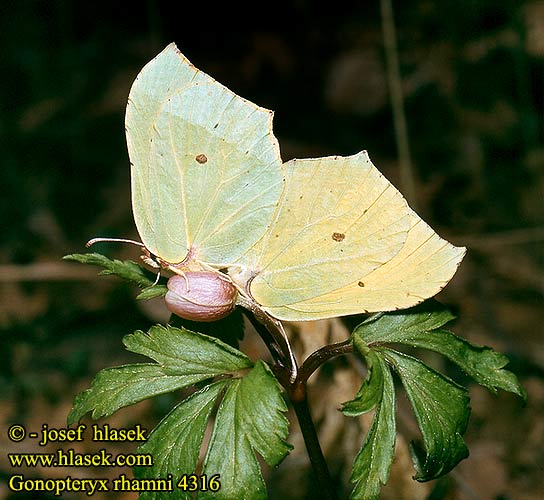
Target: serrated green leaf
(128, 270)
(371, 391)
(176, 441)
(482, 363)
(250, 419)
(441, 408)
(152, 291)
(114, 388)
(373, 462)
(229, 329)
(392, 327)
(182, 352)
(184, 358)
(420, 327)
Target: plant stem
(295, 383)
(317, 358)
(299, 399)
(273, 334)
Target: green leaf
(128, 270)
(440, 405)
(114, 388)
(176, 441)
(420, 327)
(482, 363)
(372, 463)
(152, 291)
(250, 419)
(184, 358)
(441, 408)
(395, 326)
(182, 352)
(371, 391)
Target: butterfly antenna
(90, 243)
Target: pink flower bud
(200, 296)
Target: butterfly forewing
(205, 164)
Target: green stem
(324, 485)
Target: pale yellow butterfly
(306, 239)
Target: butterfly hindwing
(424, 265)
(337, 217)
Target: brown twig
(397, 102)
(45, 271)
(321, 356)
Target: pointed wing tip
(173, 49)
(364, 153)
(460, 255)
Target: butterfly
(303, 240)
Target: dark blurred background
(472, 76)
